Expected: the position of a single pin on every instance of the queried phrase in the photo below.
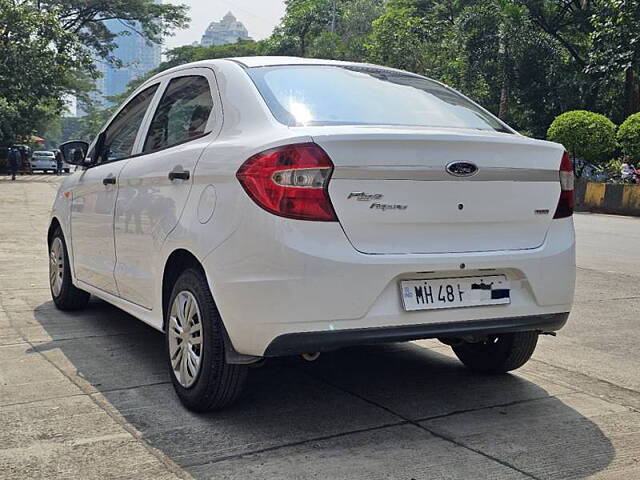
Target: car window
(120, 135)
(182, 114)
(344, 95)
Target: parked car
(268, 206)
(44, 161)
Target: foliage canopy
(48, 50)
(527, 61)
(38, 60)
(629, 138)
(587, 136)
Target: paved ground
(87, 395)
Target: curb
(613, 198)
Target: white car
(270, 206)
(44, 161)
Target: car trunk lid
(392, 192)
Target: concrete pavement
(87, 395)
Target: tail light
(290, 181)
(565, 204)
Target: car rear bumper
(310, 342)
(275, 277)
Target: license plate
(455, 292)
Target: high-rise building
(227, 30)
(135, 53)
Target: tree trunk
(503, 110)
(631, 92)
(592, 92)
(303, 40)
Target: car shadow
(291, 403)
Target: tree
(400, 38)
(86, 19)
(629, 138)
(525, 60)
(191, 53)
(96, 116)
(303, 20)
(325, 28)
(47, 51)
(492, 33)
(616, 47)
(491, 50)
(567, 21)
(351, 26)
(587, 136)
(40, 63)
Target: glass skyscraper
(137, 56)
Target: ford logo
(462, 169)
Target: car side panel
(215, 205)
(92, 210)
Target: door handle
(182, 175)
(109, 181)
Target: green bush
(612, 168)
(629, 138)
(587, 136)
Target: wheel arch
(177, 262)
(55, 224)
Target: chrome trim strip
(435, 174)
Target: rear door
(94, 197)
(155, 185)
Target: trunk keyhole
(460, 206)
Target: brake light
(565, 204)
(290, 181)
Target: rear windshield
(336, 95)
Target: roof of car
(265, 61)
(251, 62)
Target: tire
(499, 353)
(208, 383)
(65, 295)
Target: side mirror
(74, 152)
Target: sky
(259, 16)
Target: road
(86, 395)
